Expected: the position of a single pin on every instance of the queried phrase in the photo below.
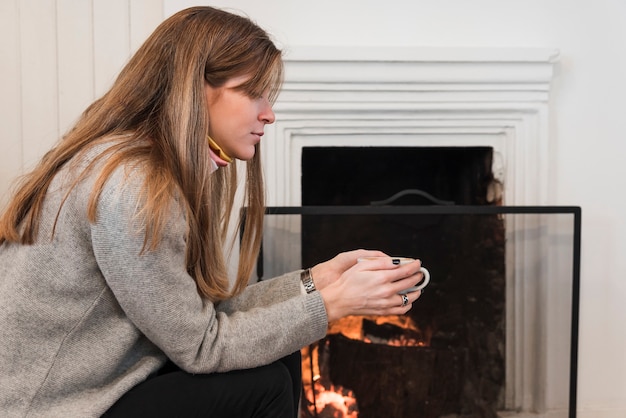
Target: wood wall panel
(75, 60)
(10, 97)
(111, 41)
(38, 67)
(144, 18)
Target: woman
(112, 250)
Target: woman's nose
(267, 113)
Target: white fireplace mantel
(418, 96)
(497, 97)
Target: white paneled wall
(57, 57)
(75, 55)
(10, 103)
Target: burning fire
(324, 399)
(335, 402)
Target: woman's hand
(371, 287)
(329, 271)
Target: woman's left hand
(329, 271)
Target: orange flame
(352, 327)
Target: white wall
(58, 54)
(56, 57)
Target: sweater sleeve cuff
(319, 317)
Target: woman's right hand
(330, 271)
(371, 288)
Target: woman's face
(236, 120)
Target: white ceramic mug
(406, 260)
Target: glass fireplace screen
(495, 330)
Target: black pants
(270, 391)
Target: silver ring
(405, 300)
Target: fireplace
(448, 355)
(431, 98)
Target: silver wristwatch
(307, 280)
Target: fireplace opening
(446, 357)
(362, 175)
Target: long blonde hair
(155, 114)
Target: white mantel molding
(340, 96)
(416, 66)
(420, 54)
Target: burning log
(392, 381)
(392, 334)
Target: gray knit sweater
(84, 317)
